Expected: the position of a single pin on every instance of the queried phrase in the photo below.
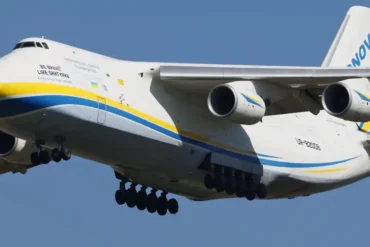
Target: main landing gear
(232, 181)
(43, 157)
(141, 200)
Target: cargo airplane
(201, 131)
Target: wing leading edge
(293, 77)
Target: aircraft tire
(173, 206)
(66, 154)
(239, 193)
(35, 159)
(120, 197)
(208, 182)
(218, 184)
(162, 206)
(152, 203)
(250, 193)
(261, 191)
(44, 157)
(131, 198)
(56, 155)
(229, 187)
(141, 203)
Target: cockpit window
(45, 45)
(28, 44)
(18, 46)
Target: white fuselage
(117, 113)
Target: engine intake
(340, 100)
(337, 99)
(7, 144)
(237, 103)
(222, 101)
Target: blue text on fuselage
(361, 54)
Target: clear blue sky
(72, 204)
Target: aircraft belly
(117, 142)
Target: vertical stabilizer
(351, 46)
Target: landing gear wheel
(120, 197)
(35, 160)
(44, 157)
(141, 203)
(239, 188)
(131, 198)
(250, 194)
(66, 154)
(56, 155)
(239, 193)
(173, 206)
(261, 191)
(162, 206)
(229, 187)
(208, 182)
(151, 203)
(219, 185)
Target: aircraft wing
(201, 78)
(285, 76)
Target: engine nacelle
(237, 101)
(341, 100)
(14, 149)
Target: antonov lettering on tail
(200, 131)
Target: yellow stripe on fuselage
(31, 88)
(327, 170)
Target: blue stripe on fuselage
(16, 106)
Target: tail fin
(351, 46)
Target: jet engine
(238, 102)
(341, 100)
(14, 149)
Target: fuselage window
(38, 45)
(45, 45)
